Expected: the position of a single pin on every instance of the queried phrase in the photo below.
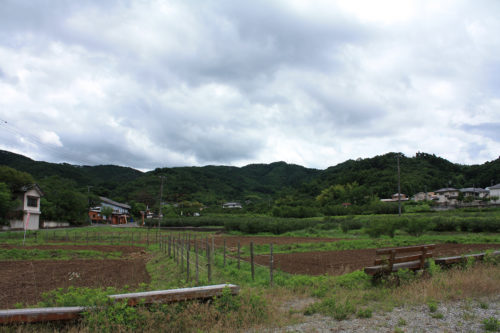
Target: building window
(32, 201)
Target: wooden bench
(393, 259)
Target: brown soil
(232, 241)
(103, 248)
(25, 281)
(341, 262)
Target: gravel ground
(458, 316)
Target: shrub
(416, 226)
(378, 227)
(364, 313)
(331, 307)
(351, 224)
(491, 324)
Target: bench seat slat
(406, 249)
(403, 259)
(372, 270)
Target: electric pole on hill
(160, 215)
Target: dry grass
(455, 284)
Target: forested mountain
(105, 175)
(279, 181)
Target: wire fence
(194, 255)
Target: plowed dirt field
(341, 262)
(25, 281)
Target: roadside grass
(481, 280)
(36, 254)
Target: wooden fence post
(251, 261)
(187, 261)
(271, 265)
(169, 246)
(213, 250)
(182, 255)
(196, 259)
(209, 266)
(239, 254)
(224, 252)
(173, 248)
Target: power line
(60, 151)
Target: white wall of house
(33, 224)
(52, 224)
(447, 197)
(116, 209)
(495, 192)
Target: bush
(351, 224)
(416, 226)
(379, 227)
(331, 307)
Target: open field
(25, 281)
(347, 261)
(310, 273)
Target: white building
(231, 205)
(447, 196)
(28, 213)
(474, 192)
(495, 193)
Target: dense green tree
(62, 202)
(14, 179)
(7, 202)
(106, 212)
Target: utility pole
(160, 216)
(399, 189)
(88, 203)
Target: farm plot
(346, 261)
(232, 241)
(25, 280)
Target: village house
(447, 196)
(396, 197)
(422, 196)
(120, 213)
(27, 215)
(474, 192)
(494, 192)
(231, 205)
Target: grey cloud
(489, 130)
(288, 74)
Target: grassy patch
(36, 254)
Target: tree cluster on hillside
(278, 188)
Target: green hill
(262, 182)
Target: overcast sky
(164, 83)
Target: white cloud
(157, 83)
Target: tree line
(278, 189)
